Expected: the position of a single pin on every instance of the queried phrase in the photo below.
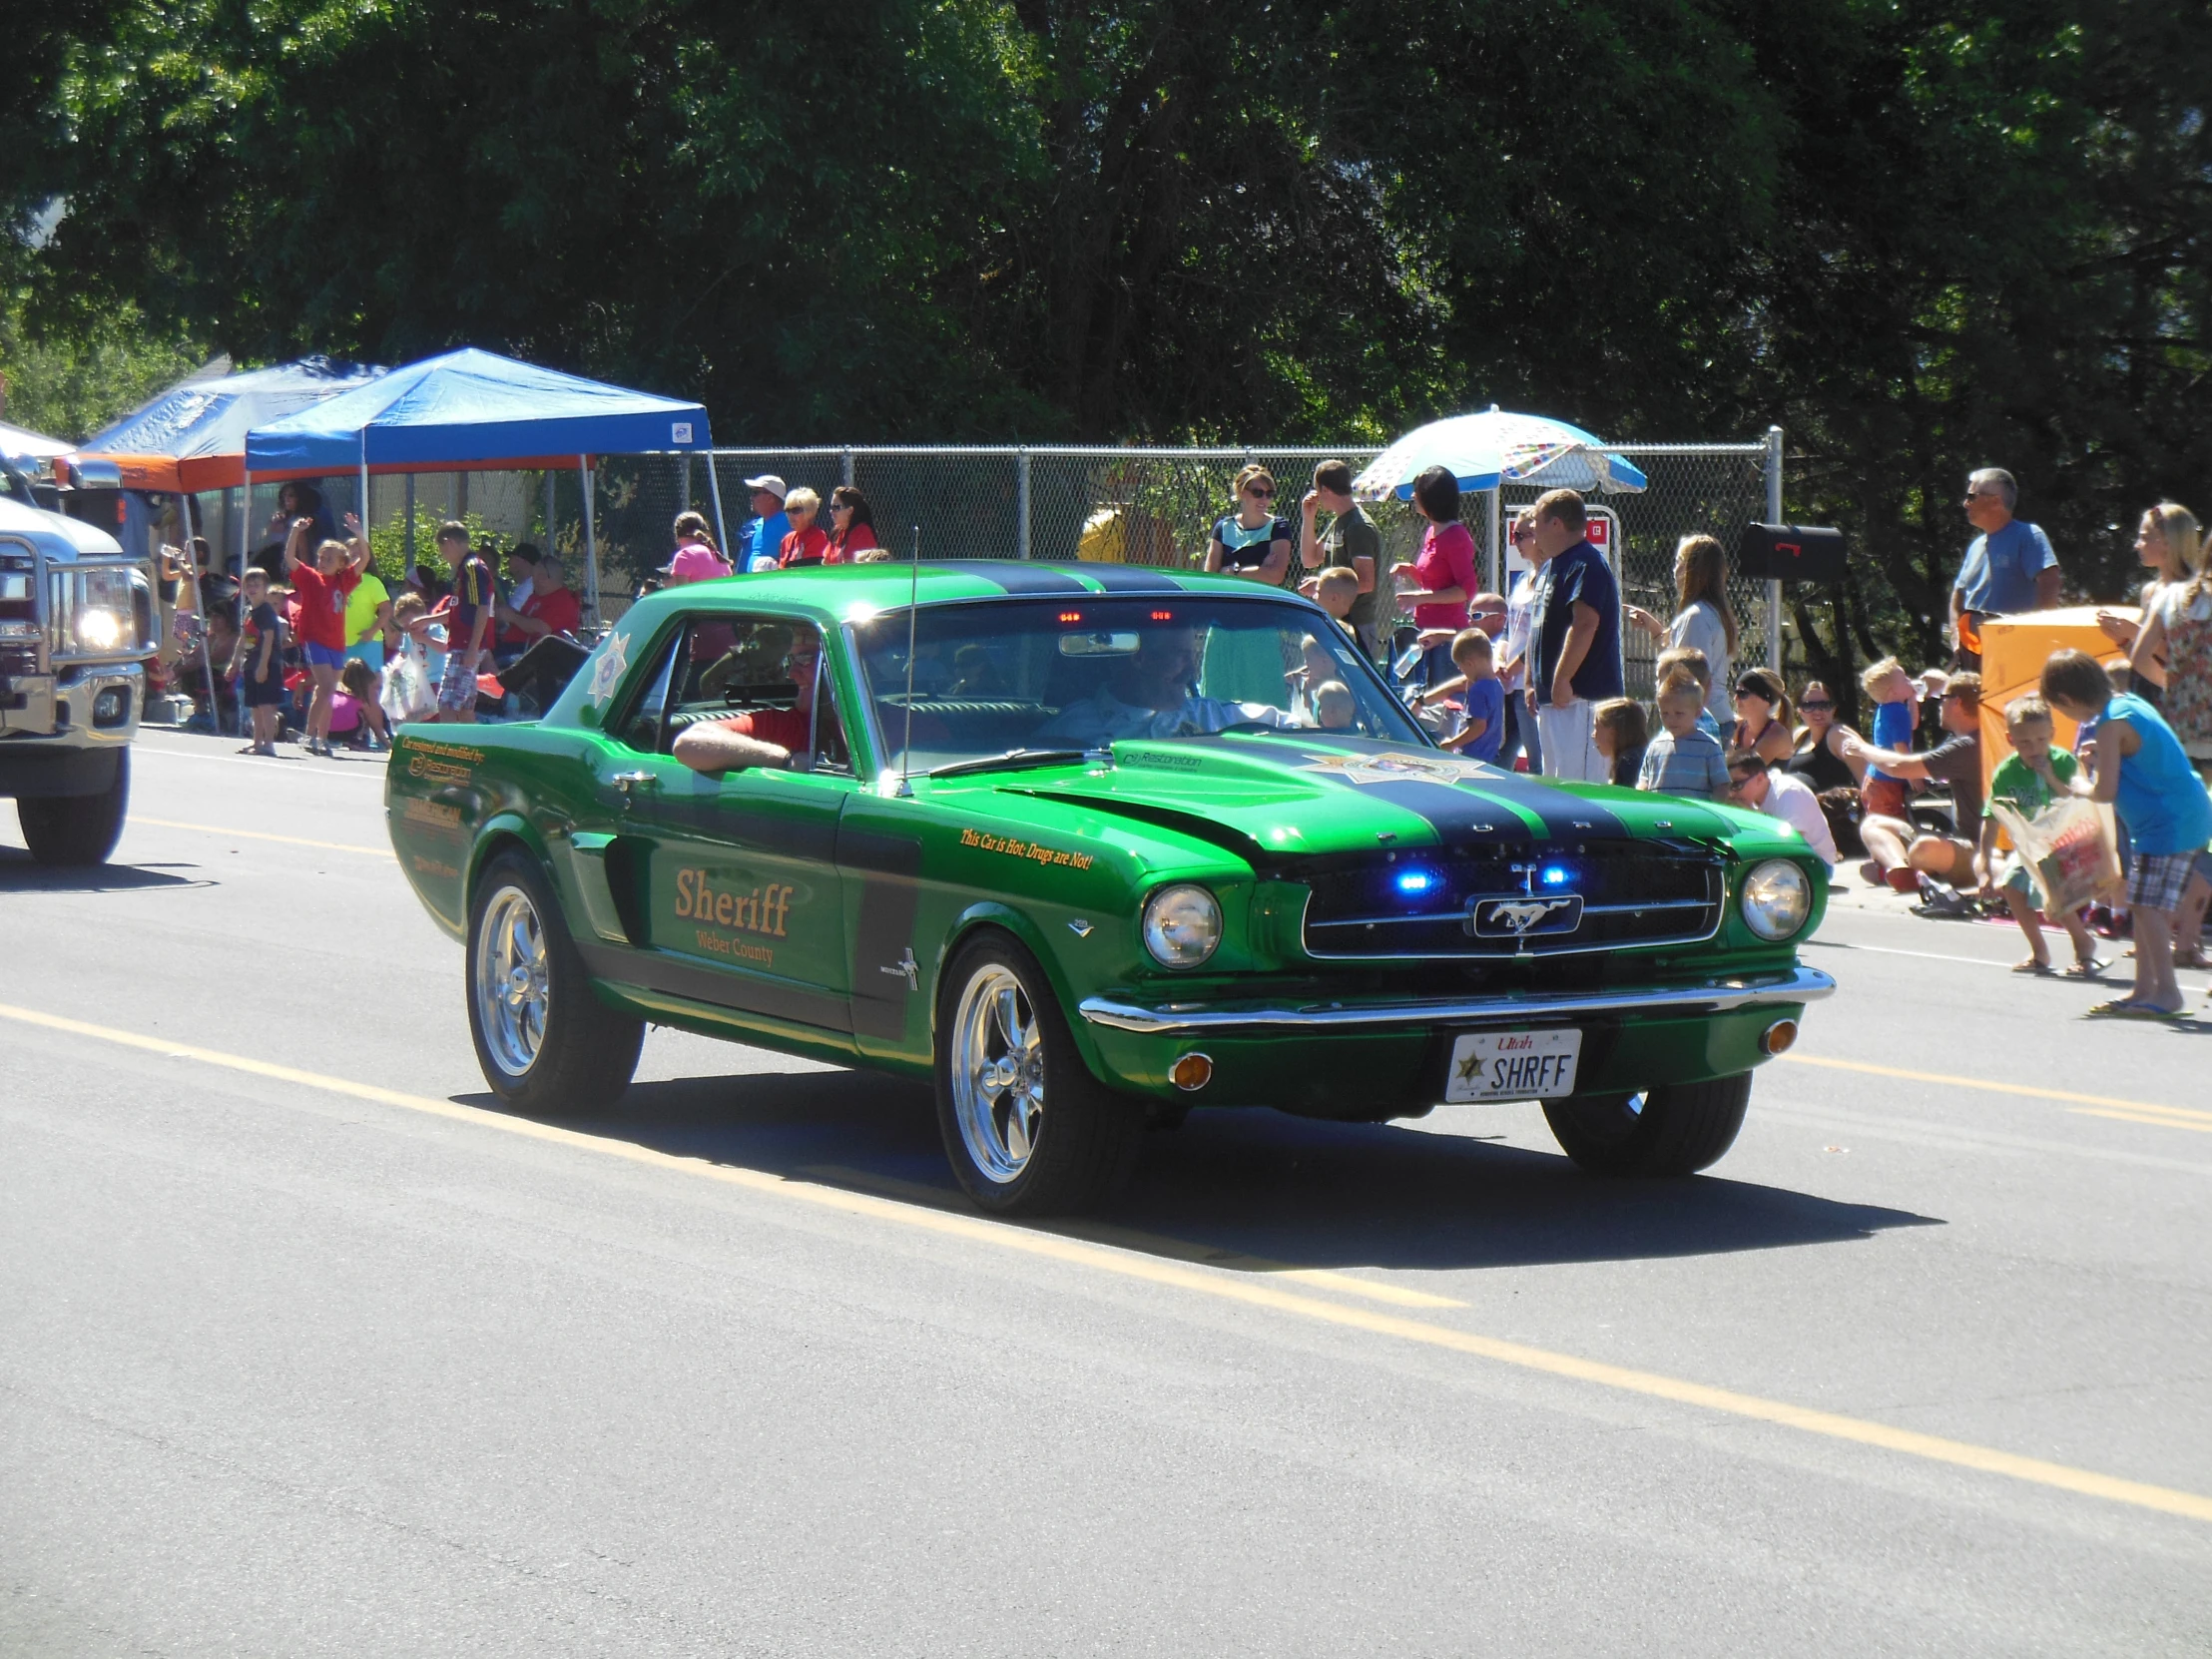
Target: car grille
(1505, 902)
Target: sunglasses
(1815, 703)
(1760, 691)
(1737, 780)
(1524, 535)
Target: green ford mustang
(1087, 845)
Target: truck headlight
(1777, 899)
(97, 630)
(1182, 926)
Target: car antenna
(913, 615)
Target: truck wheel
(1675, 1130)
(547, 1045)
(78, 828)
(1028, 1130)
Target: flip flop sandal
(2031, 966)
(2087, 970)
(2134, 1010)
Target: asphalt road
(303, 1348)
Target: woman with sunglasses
(1818, 756)
(851, 527)
(1762, 715)
(1252, 542)
(1703, 618)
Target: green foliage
(388, 543)
(1923, 235)
(67, 383)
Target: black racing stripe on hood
(1195, 825)
(1032, 580)
(1124, 579)
(1460, 809)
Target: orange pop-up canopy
(192, 436)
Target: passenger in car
(762, 737)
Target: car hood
(1292, 796)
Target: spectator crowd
(1534, 678)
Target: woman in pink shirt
(1442, 574)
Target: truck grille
(18, 657)
(1492, 901)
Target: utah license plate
(1513, 1065)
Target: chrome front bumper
(1720, 995)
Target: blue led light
(1415, 880)
(1555, 875)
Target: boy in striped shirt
(1682, 760)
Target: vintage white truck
(78, 621)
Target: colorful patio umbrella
(1484, 451)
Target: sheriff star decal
(1396, 769)
(614, 657)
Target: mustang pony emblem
(1520, 914)
(1519, 917)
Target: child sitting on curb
(1620, 732)
(1682, 760)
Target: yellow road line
(1151, 1244)
(1220, 1286)
(2160, 1119)
(1986, 1085)
(265, 835)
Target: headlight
(99, 630)
(1182, 926)
(1777, 899)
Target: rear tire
(72, 831)
(1027, 1129)
(547, 1045)
(1675, 1130)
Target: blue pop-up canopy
(476, 412)
(472, 411)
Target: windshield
(1050, 673)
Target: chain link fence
(1156, 507)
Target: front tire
(1675, 1130)
(72, 831)
(1027, 1129)
(547, 1045)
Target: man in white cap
(763, 539)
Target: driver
(1152, 694)
(759, 736)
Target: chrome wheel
(997, 1066)
(511, 980)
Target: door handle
(634, 783)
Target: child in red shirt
(322, 584)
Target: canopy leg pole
(552, 541)
(591, 541)
(245, 514)
(713, 488)
(409, 533)
(1493, 540)
(364, 484)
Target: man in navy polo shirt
(1576, 648)
(2009, 568)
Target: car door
(733, 877)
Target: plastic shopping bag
(408, 694)
(2071, 848)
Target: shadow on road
(1254, 1188)
(20, 872)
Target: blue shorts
(370, 652)
(323, 656)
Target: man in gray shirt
(1352, 542)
